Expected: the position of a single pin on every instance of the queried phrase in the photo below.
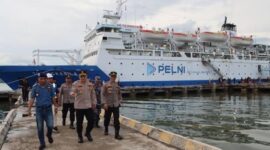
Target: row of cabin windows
(121, 74)
(121, 63)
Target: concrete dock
(23, 135)
(137, 136)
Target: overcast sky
(26, 25)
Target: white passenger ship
(164, 57)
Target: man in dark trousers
(25, 89)
(84, 104)
(67, 101)
(98, 86)
(43, 94)
(111, 99)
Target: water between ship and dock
(226, 121)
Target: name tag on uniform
(49, 89)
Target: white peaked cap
(49, 75)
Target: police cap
(83, 73)
(113, 73)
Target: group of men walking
(81, 98)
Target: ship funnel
(225, 22)
(228, 26)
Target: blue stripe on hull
(12, 74)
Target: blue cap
(42, 75)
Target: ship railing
(253, 57)
(162, 53)
(145, 52)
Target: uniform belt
(47, 106)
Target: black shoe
(80, 140)
(89, 137)
(106, 132)
(71, 126)
(64, 122)
(55, 128)
(42, 147)
(50, 139)
(118, 137)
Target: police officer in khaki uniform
(84, 104)
(67, 101)
(111, 99)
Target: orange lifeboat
(213, 36)
(186, 38)
(151, 35)
(241, 41)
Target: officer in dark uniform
(111, 99)
(97, 86)
(43, 94)
(25, 89)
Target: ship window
(132, 63)
(121, 74)
(130, 36)
(104, 38)
(121, 63)
(188, 54)
(132, 74)
(143, 74)
(109, 63)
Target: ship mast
(114, 17)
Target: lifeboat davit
(213, 36)
(241, 41)
(151, 35)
